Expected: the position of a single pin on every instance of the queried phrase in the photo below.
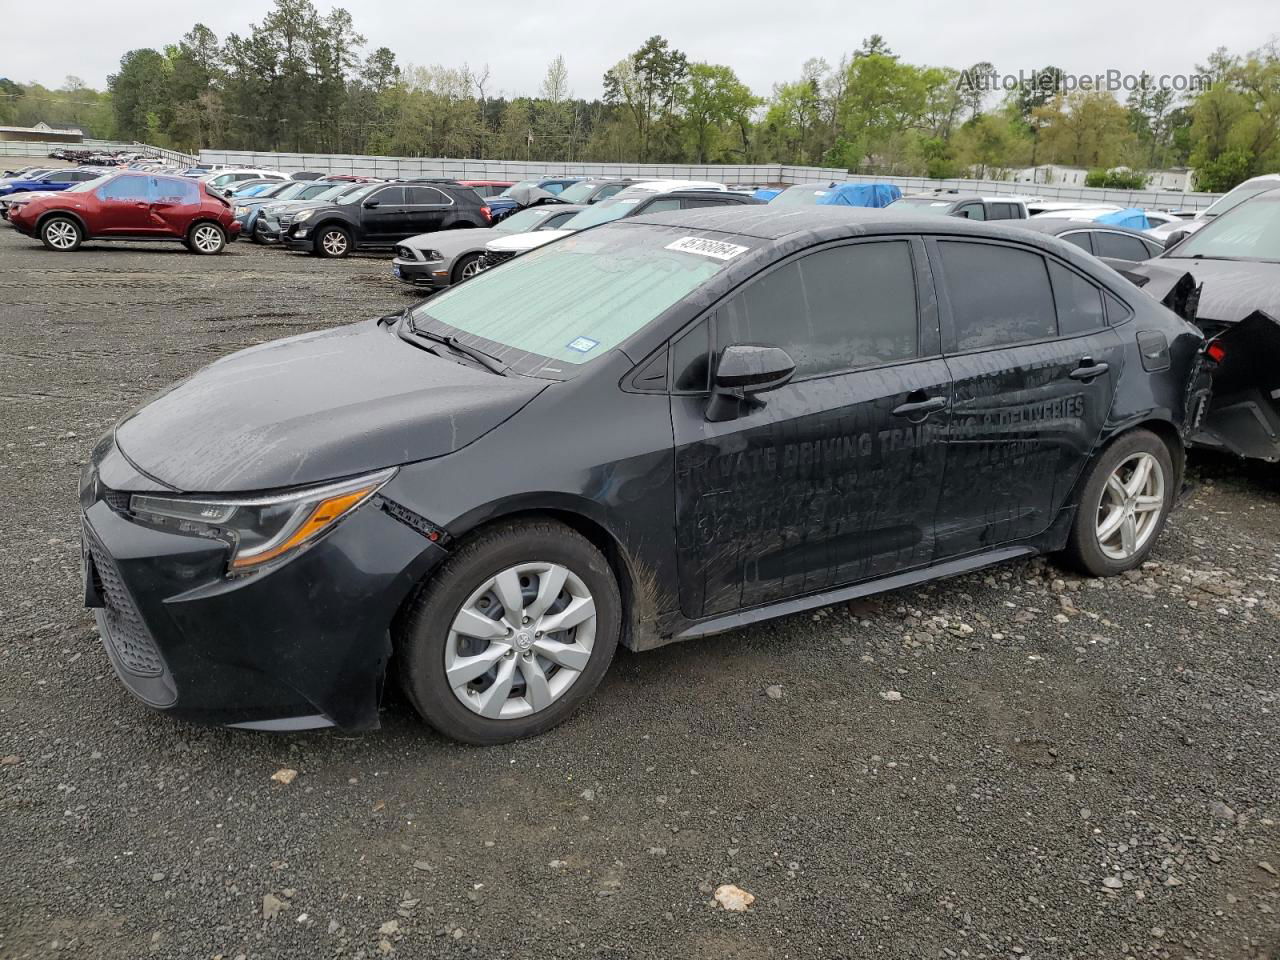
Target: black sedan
(1100, 239)
(711, 418)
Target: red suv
(130, 206)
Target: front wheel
(61, 234)
(466, 267)
(206, 238)
(512, 634)
(332, 242)
(1123, 507)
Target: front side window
(572, 301)
(578, 192)
(666, 203)
(999, 295)
(127, 189)
(834, 310)
(389, 196)
(972, 211)
(1079, 238)
(1118, 246)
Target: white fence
(397, 167)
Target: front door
(126, 207)
(833, 478)
(1034, 368)
(384, 216)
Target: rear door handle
(920, 408)
(1088, 369)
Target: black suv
(382, 215)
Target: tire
(331, 242)
(466, 268)
(206, 238)
(61, 234)
(1141, 516)
(526, 554)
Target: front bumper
(421, 273)
(305, 644)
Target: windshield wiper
(490, 363)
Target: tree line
(303, 81)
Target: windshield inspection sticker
(583, 344)
(708, 248)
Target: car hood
(1231, 289)
(313, 408)
(453, 242)
(520, 242)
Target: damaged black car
(666, 427)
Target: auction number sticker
(708, 248)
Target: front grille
(125, 631)
(286, 218)
(494, 257)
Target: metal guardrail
(40, 148)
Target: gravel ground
(1016, 763)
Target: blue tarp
(1132, 217)
(767, 193)
(861, 195)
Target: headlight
(431, 255)
(303, 215)
(261, 530)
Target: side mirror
(744, 370)
(371, 204)
(1176, 238)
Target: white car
(225, 179)
(622, 204)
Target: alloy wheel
(61, 235)
(1130, 507)
(335, 243)
(520, 641)
(470, 268)
(206, 239)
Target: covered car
(837, 194)
(1134, 218)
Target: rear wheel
(332, 242)
(62, 234)
(206, 238)
(1123, 507)
(466, 267)
(512, 634)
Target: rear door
(426, 210)
(1034, 367)
(174, 202)
(834, 477)
(1120, 246)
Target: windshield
(86, 185)
(578, 192)
(526, 220)
(1238, 196)
(522, 183)
(355, 193)
(602, 212)
(800, 196)
(288, 191)
(1251, 232)
(574, 300)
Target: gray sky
(763, 45)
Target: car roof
(770, 222)
(1056, 225)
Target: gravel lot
(1011, 764)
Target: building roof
(43, 127)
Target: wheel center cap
(524, 640)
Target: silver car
(445, 257)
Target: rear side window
(834, 310)
(173, 191)
(127, 188)
(999, 295)
(1118, 246)
(1080, 238)
(1004, 211)
(428, 196)
(1079, 302)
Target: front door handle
(920, 408)
(1088, 369)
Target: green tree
(714, 98)
(649, 84)
(140, 96)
